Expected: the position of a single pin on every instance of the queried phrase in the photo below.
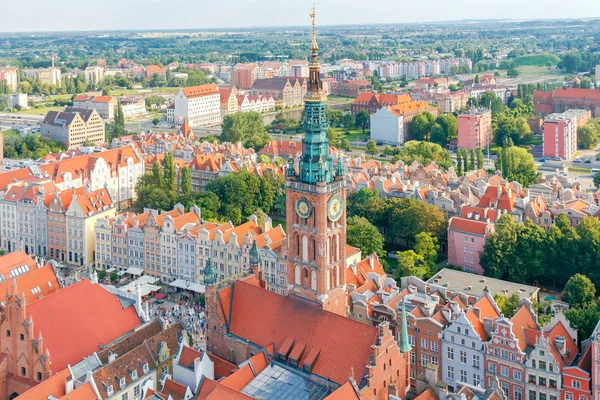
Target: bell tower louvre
(316, 205)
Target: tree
(476, 80)
(345, 144)
(157, 174)
(597, 180)
(347, 121)
(334, 137)
(583, 319)
(493, 102)
(465, 159)
(170, 172)
(247, 128)
(459, 170)
(479, 158)
(363, 234)
(570, 62)
(508, 305)
(427, 247)
(371, 148)
(114, 277)
(408, 265)
(421, 124)
(512, 73)
(186, 180)
(408, 217)
(263, 158)
(437, 134)
(362, 120)
(471, 160)
(155, 121)
(579, 291)
(587, 136)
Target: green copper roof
(404, 345)
(254, 255)
(316, 164)
(210, 273)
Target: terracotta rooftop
(288, 318)
(77, 320)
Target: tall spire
(314, 47)
(404, 345)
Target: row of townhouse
(176, 245)
(53, 224)
(456, 328)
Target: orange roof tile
(344, 392)
(174, 389)
(468, 226)
(35, 284)
(75, 320)
(521, 320)
(429, 394)
(83, 392)
(53, 386)
(486, 310)
(199, 91)
(295, 318)
(239, 379)
(211, 390)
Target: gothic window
(304, 249)
(297, 275)
(313, 280)
(314, 246)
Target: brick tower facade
(316, 207)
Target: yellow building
(81, 216)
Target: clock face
(303, 208)
(335, 207)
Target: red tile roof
(523, 319)
(35, 284)
(174, 389)
(263, 317)
(344, 392)
(211, 390)
(468, 226)
(486, 310)
(76, 320)
(53, 386)
(429, 394)
(199, 91)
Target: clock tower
(316, 206)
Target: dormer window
(134, 374)
(109, 390)
(122, 382)
(145, 367)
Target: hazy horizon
(67, 15)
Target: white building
(133, 106)
(463, 340)
(18, 99)
(387, 127)
(93, 75)
(104, 105)
(198, 106)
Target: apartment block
(104, 105)
(475, 129)
(74, 126)
(560, 132)
(9, 77)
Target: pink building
(560, 132)
(475, 129)
(467, 235)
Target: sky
(65, 15)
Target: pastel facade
(475, 129)
(387, 127)
(560, 133)
(104, 105)
(74, 126)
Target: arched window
(337, 275)
(337, 247)
(304, 248)
(297, 275)
(314, 246)
(297, 245)
(313, 280)
(306, 272)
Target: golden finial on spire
(314, 47)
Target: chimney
(69, 385)
(111, 356)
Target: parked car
(577, 160)
(588, 161)
(542, 159)
(556, 159)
